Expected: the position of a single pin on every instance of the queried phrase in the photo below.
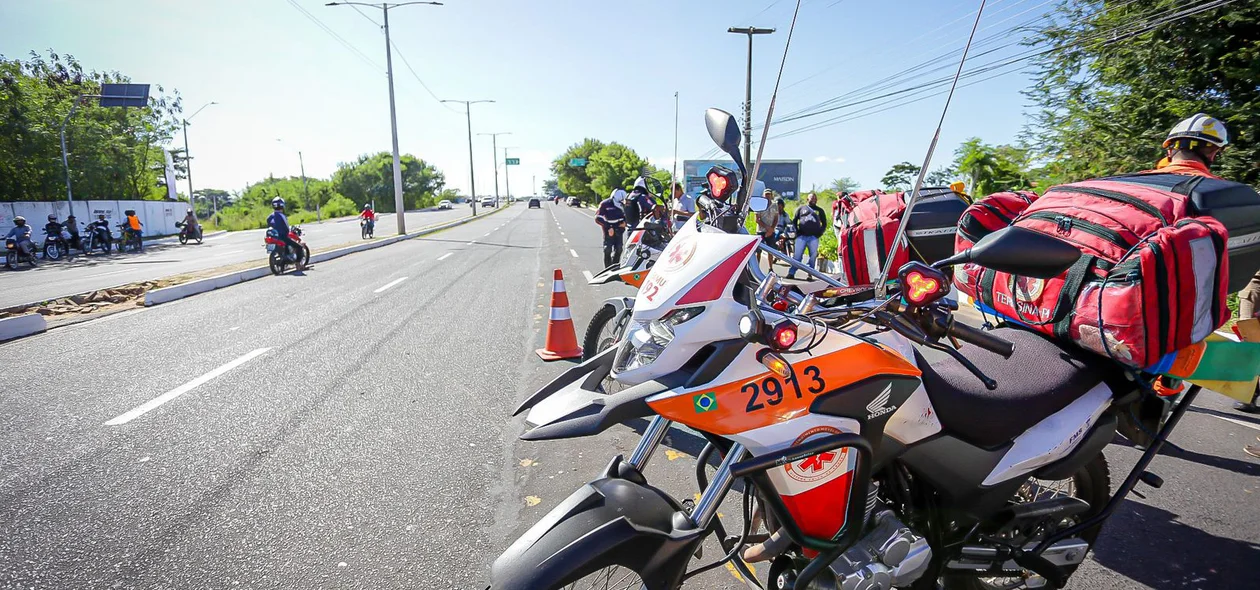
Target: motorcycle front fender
(606, 276)
(616, 520)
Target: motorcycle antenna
(751, 181)
(881, 284)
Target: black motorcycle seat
(1041, 378)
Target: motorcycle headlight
(645, 341)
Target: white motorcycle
(870, 467)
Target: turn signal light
(722, 182)
(775, 362)
(783, 336)
(922, 284)
(717, 185)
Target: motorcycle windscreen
(573, 405)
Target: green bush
(339, 206)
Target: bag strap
(1072, 284)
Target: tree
(615, 166)
(208, 197)
(575, 180)
(551, 188)
(900, 176)
(370, 179)
(942, 176)
(990, 169)
(844, 184)
(1114, 79)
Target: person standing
(684, 206)
(810, 220)
(612, 218)
(767, 222)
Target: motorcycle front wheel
(52, 251)
(1091, 483)
(601, 332)
(10, 260)
(183, 238)
(609, 578)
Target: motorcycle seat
(1041, 378)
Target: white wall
(158, 217)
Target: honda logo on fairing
(882, 404)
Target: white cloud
(824, 159)
(821, 159)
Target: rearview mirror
(1019, 251)
(724, 132)
(758, 204)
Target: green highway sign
(577, 162)
(513, 162)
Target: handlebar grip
(985, 340)
(706, 202)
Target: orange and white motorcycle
(870, 467)
(643, 249)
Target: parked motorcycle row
(862, 465)
(92, 238)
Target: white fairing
(1052, 438)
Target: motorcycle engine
(889, 556)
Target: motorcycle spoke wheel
(609, 578)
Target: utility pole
(494, 157)
(507, 178)
(399, 206)
(472, 176)
(188, 159)
(305, 191)
(750, 31)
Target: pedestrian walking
(612, 218)
(810, 220)
(684, 206)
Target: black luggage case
(1235, 205)
(933, 224)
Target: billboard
(783, 176)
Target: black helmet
(52, 217)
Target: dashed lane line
(182, 389)
(390, 284)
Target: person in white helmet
(1193, 146)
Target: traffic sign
(579, 162)
(513, 162)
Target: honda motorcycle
(56, 245)
(93, 236)
(870, 467)
(643, 248)
(13, 255)
(276, 247)
(189, 232)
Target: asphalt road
(350, 428)
(165, 257)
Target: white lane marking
(589, 277)
(1238, 422)
(566, 240)
(234, 328)
(571, 251)
(487, 233)
(390, 284)
(472, 242)
(562, 233)
(182, 389)
(445, 256)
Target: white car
(444, 204)
(488, 202)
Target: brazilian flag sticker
(705, 402)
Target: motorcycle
(129, 239)
(188, 232)
(56, 245)
(367, 227)
(643, 248)
(277, 259)
(870, 467)
(95, 236)
(13, 255)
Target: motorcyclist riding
(53, 227)
(132, 225)
(21, 233)
(1193, 145)
(101, 227)
(190, 223)
(72, 227)
(369, 216)
(278, 222)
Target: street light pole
(305, 191)
(399, 206)
(750, 31)
(494, 158)
(188, 159)
(472, 176)
(507, 178)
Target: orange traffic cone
(561, 338)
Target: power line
(417, 77)
(335, 36)
(364, 15)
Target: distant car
(574, 202)
(488, 202)
(444, 204)
(534, 203)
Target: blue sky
(560, 70)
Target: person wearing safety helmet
(280, 224)
(1193, 146)
(53, 227)
(21, 233)
(612, 218)
(369, 217)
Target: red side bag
(1151, 279)
(867, 232)
(990, 214)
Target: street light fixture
(494, 157)
(472, 177)
(188, 162)
(306, 192)
(399, 207)
(750, 31)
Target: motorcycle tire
(276, 262)
(1092, 483)
(10, 260)
(183, 239)
(365, 232)
(200, 235)
(304, 257)
(604, 329)
(52, 250)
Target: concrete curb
(23, 325)
(173, 293)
